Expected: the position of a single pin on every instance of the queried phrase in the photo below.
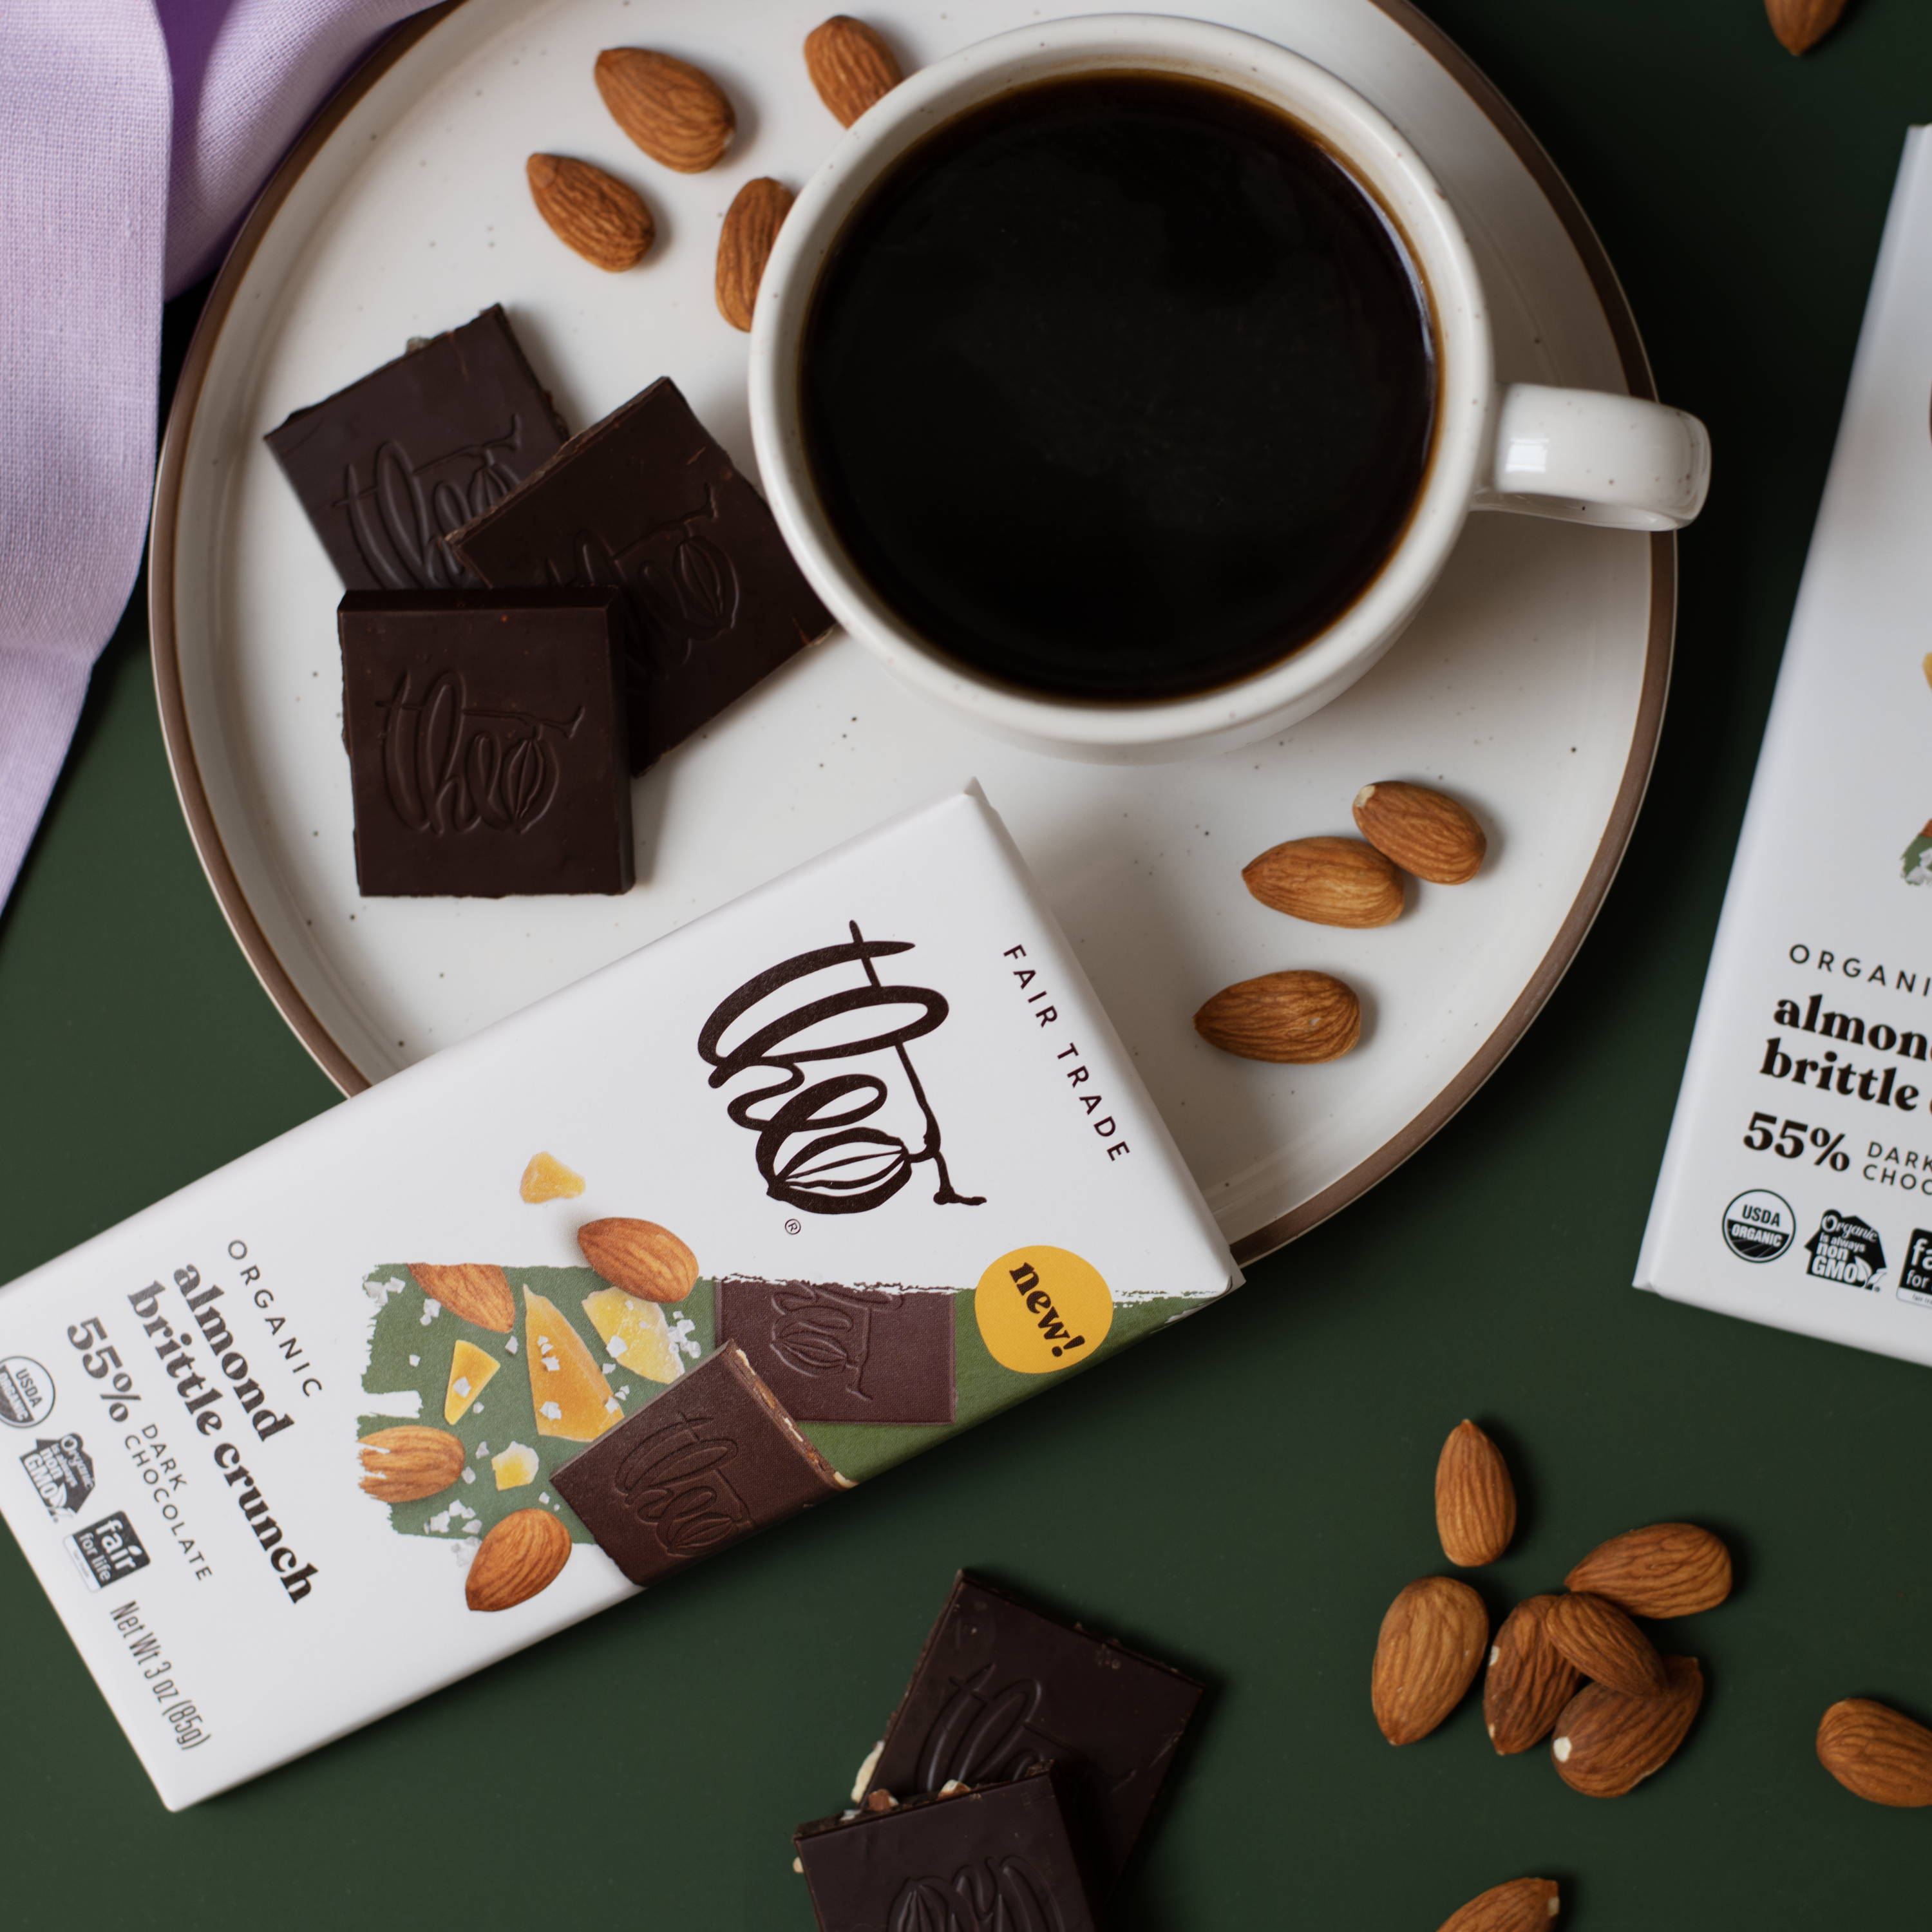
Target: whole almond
(1528, 1682)
(479, 1291)
(639, 1257)
(1607, 1744)
(673, 111)
(1604, 1645)
(1667, 1569)
(1876, 1753)
(849, 65)
(1422, 831)
(1293, 1018)
(1475, 1501)
(1523, 1905)
(523, 1554)
(752, 224)
(1801, 24)
(606, 222)
(1429, 1651)
(1332, 881)
(407, 1463)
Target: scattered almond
(1523, 1905)
(1603, 1644)
(606, 222)
(1421, 830)
(522, 1555)
(673, 111)
(1876, 1753)
(1529, 1681)
(1429, 1651)
(1293, 1017)
(1475, 1501)
(1332, 881)
(752, 224)
(639, 1257)
(405, 1464)
(1607, 1744)
(478, 1291)
(1801, 24)
(1667, 1569)
(849, 65)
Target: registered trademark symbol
(794, 1227)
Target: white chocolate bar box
(1797, 1184)
(856, 1160)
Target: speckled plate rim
(1249, 1247)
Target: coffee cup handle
(1587, 457)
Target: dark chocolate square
(709, 1461)
(388, 467)
(646, 501)
(1000, 1688)
(832, 1353)
(486, 742)
(999, 1859)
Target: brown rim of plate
(1249, 1247)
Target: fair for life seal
(26, 1391)
(1759, 1225)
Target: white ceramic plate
(1532, 685)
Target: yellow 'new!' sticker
(1041, 1309)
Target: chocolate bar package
(677, 1255)
(1796, 1188)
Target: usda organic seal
(1759, 1225)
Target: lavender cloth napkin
(133, 134)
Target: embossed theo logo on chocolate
(1006, 1894)
(826, 1331)
(983, 1736)
(450, 765)
(687, 583)
(401, 519)
(821, 1146)
(674, 1480)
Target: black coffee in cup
(1118, 387)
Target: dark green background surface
(1246, 1495)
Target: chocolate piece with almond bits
(711, 1460)
(833, 1354)
(646, 501)
(389, 466)
(1000, 1688)
(996, 1859)
(485, 733)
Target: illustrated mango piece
(470, 1368)
(634, 1334)
(514, 1466)
(568, 1390)
(547, 1179)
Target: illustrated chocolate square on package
(833, 1354)
(646, 501)
(389, 466)
(486, 743)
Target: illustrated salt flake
(431, 1309)
(468, 1474)
(416, 1361)
(510, 1342)
(550, 1412)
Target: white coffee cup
(1572, 453)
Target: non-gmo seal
(26, 1392)
(1759, 1225)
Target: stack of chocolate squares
(529, 620)
(1017, 1774)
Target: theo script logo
(848, 1141)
